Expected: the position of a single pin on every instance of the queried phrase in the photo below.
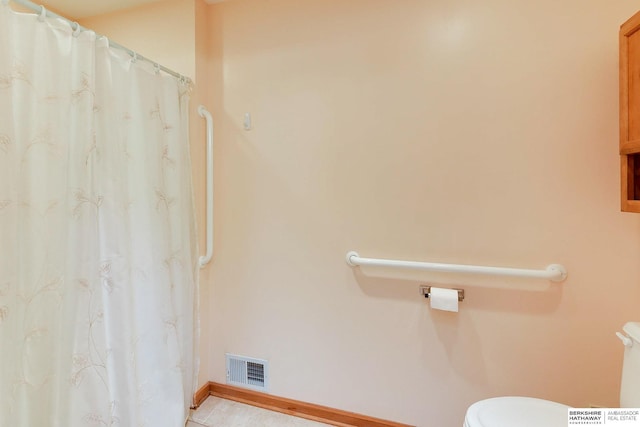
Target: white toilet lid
(516, 412)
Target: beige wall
(419, 129)
(206, 83)
(162, 32)
(444, 131)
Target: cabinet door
(630, 114)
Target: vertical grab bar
(205, 259)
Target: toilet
(515, 411)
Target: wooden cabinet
(630, 114)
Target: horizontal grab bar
(553, 272)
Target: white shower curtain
(98, 256)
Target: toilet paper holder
(426, 291)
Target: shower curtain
(98, 256)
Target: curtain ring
(156, 67)
(134, 57)
(77, 29)
(43, 14)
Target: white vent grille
(247, 372)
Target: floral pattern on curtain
(98, 250)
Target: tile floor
(216, 412)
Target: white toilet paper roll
(444, 299)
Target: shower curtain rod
(77, 27)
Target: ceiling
(78, 9)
